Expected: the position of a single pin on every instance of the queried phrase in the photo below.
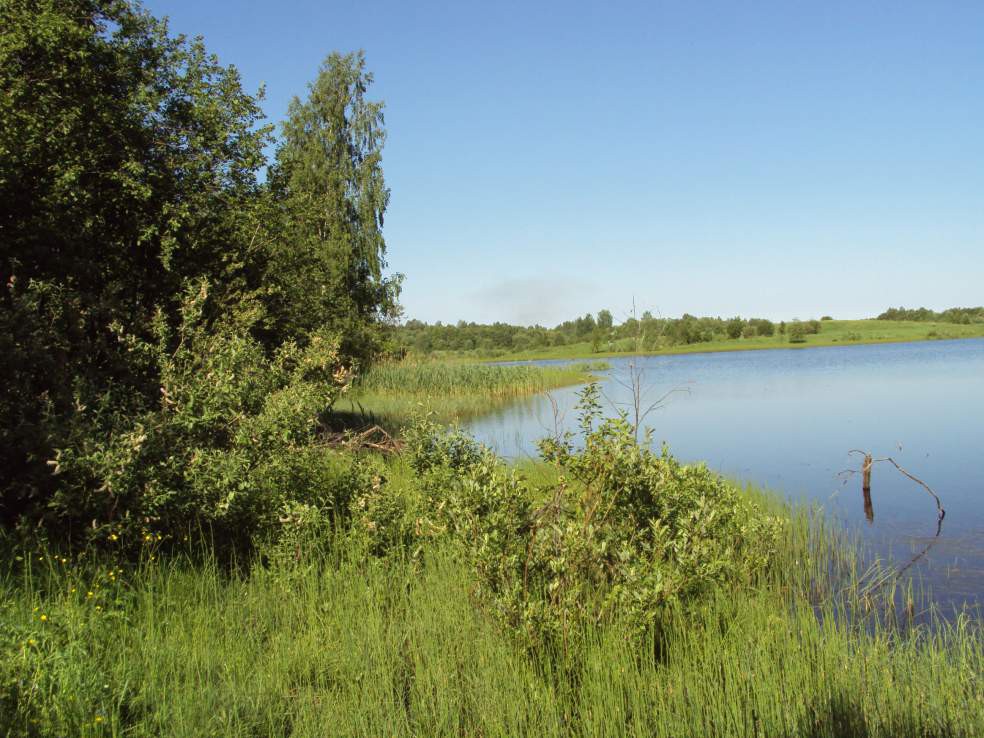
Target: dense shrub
(797, 332)
(231, 441)
(164, 352)
(623, 529)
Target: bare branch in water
(869, 461)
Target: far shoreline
(837, 340)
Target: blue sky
(782, 159)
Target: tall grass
(346, 645)
(390, 393)
(428, 379)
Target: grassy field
(832, 333)
(338, 643)
(390, 393)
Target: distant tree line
(961, 315)
(646, 333)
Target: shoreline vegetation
(386, 621)
(391, 393)
(185, 550)
(823, 333)
(852, 334)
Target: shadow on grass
(842, 716)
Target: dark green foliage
(646, 333)
(329, 193)
(127, 163)
(229, 446)
(171, 330)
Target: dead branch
(866, 472)
(373, 437)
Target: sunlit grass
(341, 644)
(391, 393)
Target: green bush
(623, 530)
(232, 441)
(137, 402)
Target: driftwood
(373, 438)
(866, 479)
(867, 463)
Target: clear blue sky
(783, 159)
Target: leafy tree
(128, 165)
(327, 185)
(958, 315)
(605, 320)
(763, 327)
(585, 326)
(735, 327)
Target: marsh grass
(389, 394)
(343, 644)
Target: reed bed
(449, 379)
(389, 394)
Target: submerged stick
(869, 509)
(866, 479)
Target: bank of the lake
(332, 639)
(786, 420)
(391, 393)
(832, 333)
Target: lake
(786, 420)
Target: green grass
(342, 645)
(832, 333)
(390, 394)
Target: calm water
(786, 420)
